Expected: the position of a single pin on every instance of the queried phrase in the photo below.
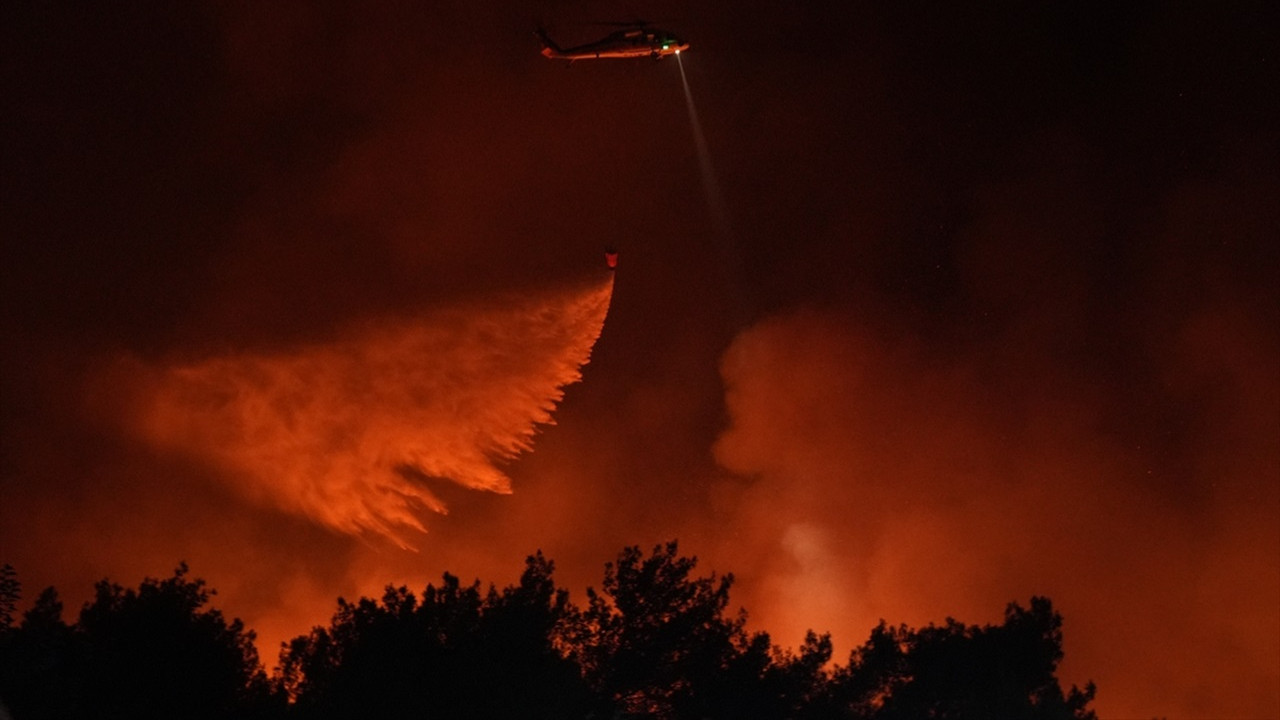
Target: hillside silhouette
(656, 640)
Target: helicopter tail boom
(549, 47)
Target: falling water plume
(350, 432)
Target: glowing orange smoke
(350, 432)
(881, 481)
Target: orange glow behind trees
(889, 484)
(995, 315)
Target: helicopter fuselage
(635, 43)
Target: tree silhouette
(395, 656)
(10, 591)
(958, 671)
(523, 634)
(455, 653)
(799, 681)
(655, 641)
(154, 652)
(34, 668)
(159, 651)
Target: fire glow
(351, 432)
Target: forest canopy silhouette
(657, 640)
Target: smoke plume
(887, 483)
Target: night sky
(963, 303)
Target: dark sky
(991, 311)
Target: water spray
(710, 186)
(730, 265)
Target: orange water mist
(352, 432)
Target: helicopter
(635, 40)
